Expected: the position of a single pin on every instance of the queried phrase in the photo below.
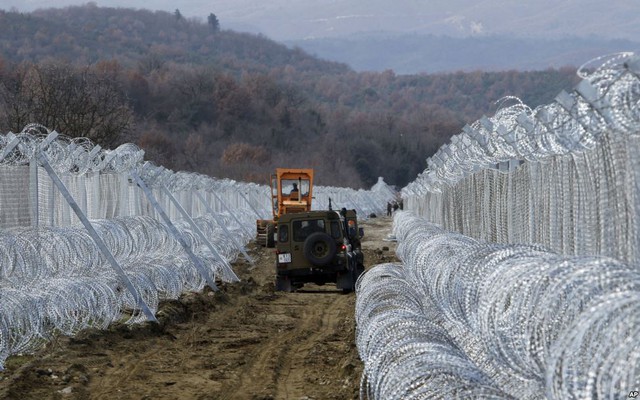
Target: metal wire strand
(519, 321)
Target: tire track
(282, 366)
(322, 320)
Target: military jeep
(318, 247)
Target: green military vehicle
(318, 247)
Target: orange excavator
(291, 192)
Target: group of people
(392, 207)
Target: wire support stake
(197, 262)
(238, 245)
(42, 158)
(199, 232)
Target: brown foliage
(157, 146)
(72, 100)
(239, 153)
(233, 104)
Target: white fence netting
(461, 318)
(565, 175)
(525, 281)
(90, 236)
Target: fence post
(224, 205)
(239, 246)
(33, 193)
(197, 262)
(248, 202)
(197, 229)
(90, 229)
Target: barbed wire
(515, 321)
(563, 174)
(54, 277)
(55, 280)
(607, 100)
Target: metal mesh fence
(89, 236)
(525, 281)
(564, 175)
(462, 318)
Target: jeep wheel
(319, 249)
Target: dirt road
(245, 341)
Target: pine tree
(213, 22)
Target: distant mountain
(412, 36)
(237, 104)
(415, 53)
(89, 33)
(306, 19)
(303, 19)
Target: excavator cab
(295, 195)
(291, 192)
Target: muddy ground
(245, 341)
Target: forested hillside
(233, 104)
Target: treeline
(235, 105)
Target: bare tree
(15, 107)
(74, 101)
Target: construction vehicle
(291, 192)
(319, 247)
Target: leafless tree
(74, 101)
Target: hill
(236, 104)
(89, 33)
(303, 19)
(544, 19)
(412, 36)
(413, 53)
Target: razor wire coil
(54, 278)
(563, 174)
(522, 321)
